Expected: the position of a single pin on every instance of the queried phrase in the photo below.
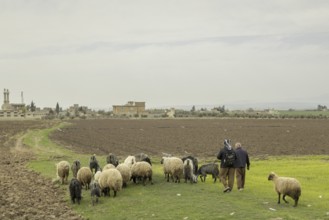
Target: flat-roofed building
(131, 108)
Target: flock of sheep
(114, 175)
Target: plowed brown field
(199, 137)
(27, 195)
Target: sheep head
(271, 176)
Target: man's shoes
(227, 189)
(241, 189)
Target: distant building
(129, 109)
(7, 106)
(18, 110)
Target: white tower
(22, 97)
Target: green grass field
(164, 200)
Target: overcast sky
(103, 53)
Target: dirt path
(25, 194)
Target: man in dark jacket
(227, 159)
(240, 165)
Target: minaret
(4, 96)
(22, 97)
(8, 96)
(6, 104)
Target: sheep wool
(125, 173)
(110, 179)
(84, 176)
(130, 160)
(108, 166)
(188, 171)
(97, 175)
(286, 186)
(173, 166)
(141, 170)
(63, 170)
(143, 157)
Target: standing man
(227, 158)
(240, 165)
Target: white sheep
(108, 166)
(286, 186)
(97, 175)
(130, 160)
(125, 173)
(84, 176)
(110, 179)
(141, 170)
(188, 171)
(63, 170)
(172, 166)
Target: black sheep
(95, 192)
(112, 159)
(211, 168)
(75, 190)
(93, 164)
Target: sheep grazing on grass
(112, 159)
(188, 171)
(286, 186)
(95, 192)
(143, 157)
(75, 167)
(141, 170)
(84, 176)
(172, 167)
(110, 179)
(125, 173)
(63, 170)
(93, 164)
(75, 190)
(195, 163)
(211, 168)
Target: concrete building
(130, 109)
(7, 106)
(18, 110)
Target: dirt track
(24, 193)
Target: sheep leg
(115, 193)
(296, 202)
(279, 197)
(284, 199)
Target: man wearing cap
(227, 157)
